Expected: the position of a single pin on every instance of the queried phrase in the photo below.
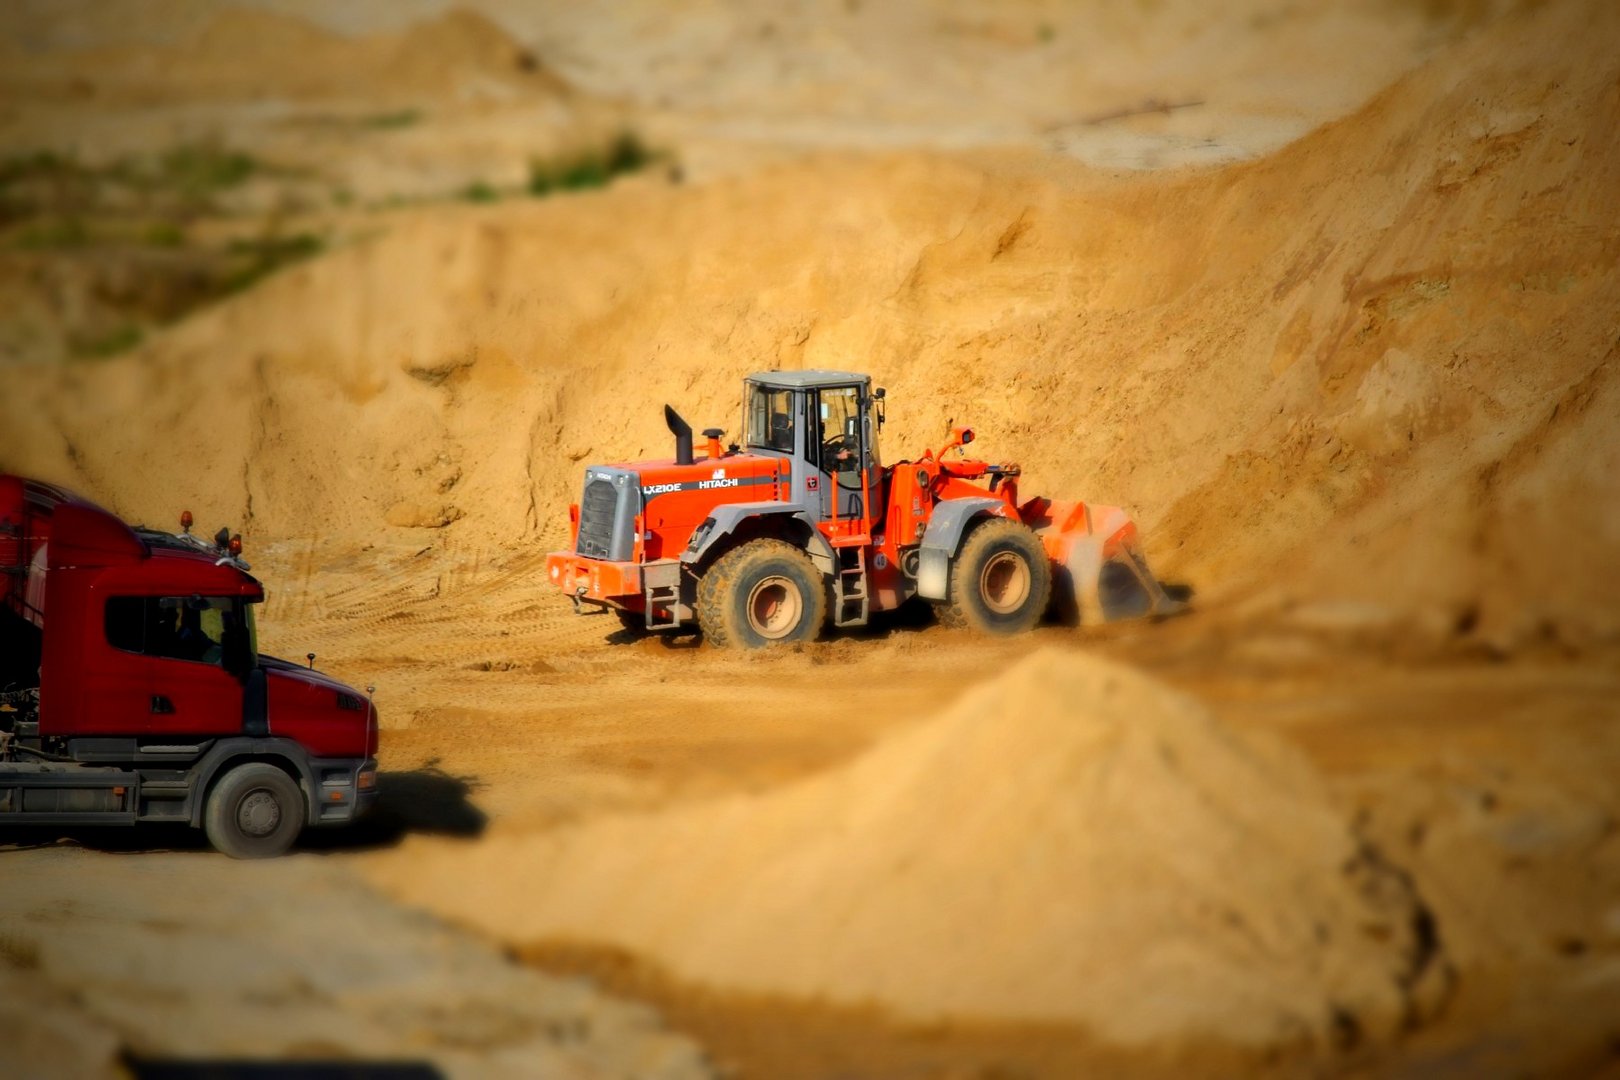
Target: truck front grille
(597, 511)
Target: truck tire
(765, 592)
(1001, 580)
(255, 811)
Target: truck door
(192, 692)
(114, 691)
(166, 673)
(842, 449)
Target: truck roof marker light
(185, 522)
(236, 544)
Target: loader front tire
(765, 592)
(1001, 580)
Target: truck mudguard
(944, 537)
(208, 769)
(723, 521)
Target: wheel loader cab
(821, 421)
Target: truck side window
(171, 627)
(126, 623)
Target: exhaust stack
(683, 435)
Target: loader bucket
(1101, 574)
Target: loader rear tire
(1001, 580)
(255, 811)
(765, 592)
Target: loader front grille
(598, 510)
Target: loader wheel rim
(774, 607)
(1004, 582)
(258, 814)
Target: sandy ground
(1488, 784)
(192, 959)
(1342, 335)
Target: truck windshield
(769, 419)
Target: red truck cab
(132, 689)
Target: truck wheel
(254, 812)
(1001, 580)
(765, 592)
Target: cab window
(193, 628)
(770, 418)
(839, 432)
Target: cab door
(842, 453)
(106, 687)
(192, 692)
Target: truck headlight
(366, 780)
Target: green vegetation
(479, 192)
(392, 121)
(123, 339)
(1045, 33)
(590, 168)
(54, 234)
(200, 169)
(164, 234)
(30, 166)
(254, 260)
(183, 179)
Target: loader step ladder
(661, 586)
(851, 603)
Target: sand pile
(1375, 368)
(1071, 842)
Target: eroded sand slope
(1377, 366)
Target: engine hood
(330, 718)
(277, 667)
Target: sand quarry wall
(1377, 366)
(234, 53)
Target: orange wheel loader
(800, 526)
